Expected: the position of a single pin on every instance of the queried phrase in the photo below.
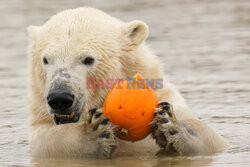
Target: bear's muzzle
(61, 103)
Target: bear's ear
(135, 32)
(33, 32)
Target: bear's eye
(88, 61)
(45, 61)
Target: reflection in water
(204, 45)
(126, 162)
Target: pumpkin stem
(124, 132)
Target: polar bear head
(71, 47)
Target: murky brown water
(205, 45)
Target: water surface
(205, 47)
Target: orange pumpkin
(131, 108)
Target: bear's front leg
(105, 130)
(175, 137)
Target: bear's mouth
(64, 119)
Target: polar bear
(66, 118)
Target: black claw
(162, 113)
(105, 121)
(166, 108)
(173, 131)
(163, 120)
(92, 111)
(97, 115)
(104, 134)
(164, 105)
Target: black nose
(60, 100)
